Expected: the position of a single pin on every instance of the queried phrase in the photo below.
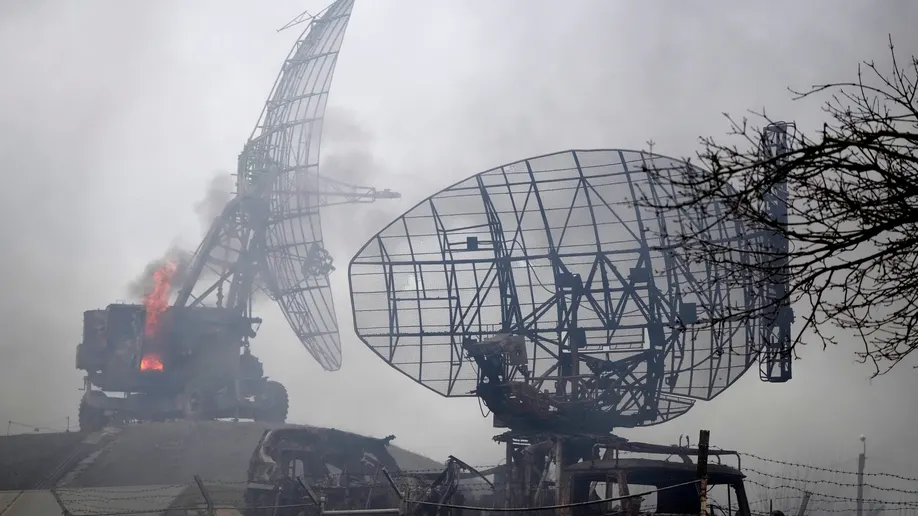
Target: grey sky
(116, 115)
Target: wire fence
(770, 484)
(215, 498)
(61, 424)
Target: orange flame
(151, 362)
(155, 303)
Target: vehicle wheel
(273, 404)
(91, 419)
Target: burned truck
(304, 470)
(341, 470)
(178, 362)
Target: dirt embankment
(149, 455)
(27, 459)
(172, 453)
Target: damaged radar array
(547, 288)
(549, 291)
(191, 358)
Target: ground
(139, 468)
(25, 460)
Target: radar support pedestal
(562, 469)
(536, 474)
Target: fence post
(704, 438)
(801, 511)
(210, 503)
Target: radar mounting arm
(332, 192)
(233, 247)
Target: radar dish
(268, 236)
(284, 148)
(544, 288)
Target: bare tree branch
(852, 213)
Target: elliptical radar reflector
(544, 288)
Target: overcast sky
(115, 115)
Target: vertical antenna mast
(776, 356)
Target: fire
(155, 304)
(151, 362)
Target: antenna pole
(861, 462)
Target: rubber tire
(91, 419)
(273, 404)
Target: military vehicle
(189, 366)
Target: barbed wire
(83, 503)
(834, 497)
(827, 470)
(811, 510)
(812, 498)
(104, 511)
(38, 427)
(830, 482)
(326, 480)
(127, 490)
(97, 499)
(197, 507)
(820, 509)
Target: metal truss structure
(270, 234)
(777, 357)
(544, 288)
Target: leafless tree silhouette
(852, 212)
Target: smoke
(218, 194)
(144, 283)
(347, 148)
(348, 156)
(84, 138)
(70, 166)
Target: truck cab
(662, 487)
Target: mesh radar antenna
(543, 288)
(270, 235)
(184, 360)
